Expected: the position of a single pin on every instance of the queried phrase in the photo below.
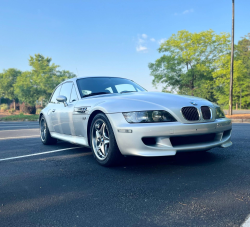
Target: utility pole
(232, 65)
(240, 97)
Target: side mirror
(62, 98)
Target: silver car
(116, 117)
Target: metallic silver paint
(66, 123)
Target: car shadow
(180, 159)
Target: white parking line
(246, 223)
(19, 137)
(47, 152)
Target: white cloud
(141, 43)
(152, 40)
(141, 40)
(185, 12)
(140, 48)
(188, 11)
(162, 41)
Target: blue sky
(107, 37)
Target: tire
(45, 134)
(103, 143)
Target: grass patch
(20, 117)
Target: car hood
(160, 98)
(140, 101)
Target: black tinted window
(55, 95)
(66, 90)
(106, 85)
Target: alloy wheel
(100, 139)
(43, 127)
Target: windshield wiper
(97, 93)
(127, 91)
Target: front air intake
(192, 140)
(206, 113)
(190, 113)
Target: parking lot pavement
(18, 124)
(62, 185)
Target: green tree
(26, 88)
(8, 79)
(243, 51)
(222, 78)
(43, 74)
(187, 64)
(243, 54)
(41, 80)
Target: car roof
(84, 77)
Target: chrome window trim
(73, 87)
(54, 92)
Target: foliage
(8, 79)
(187, 64)
(12, 106)
(11, 111)
(27, 109)
(38, 110)
(38, 84)
(199, 64)
(241, 82)
(20, 117)
(222, 79)
(26, 88)
(243, 52)
(39, 107)
(4, 107)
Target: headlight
(148, 116)
(219, 113)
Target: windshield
(106, 85)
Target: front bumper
(132, 143)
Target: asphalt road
(68, 188)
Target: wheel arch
(91, 117)
(40, 116)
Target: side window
(66, 90)
(55, 95)
(124, 87)
(73, 96)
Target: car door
(79, 127)
(53, 115)
(66, 111)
